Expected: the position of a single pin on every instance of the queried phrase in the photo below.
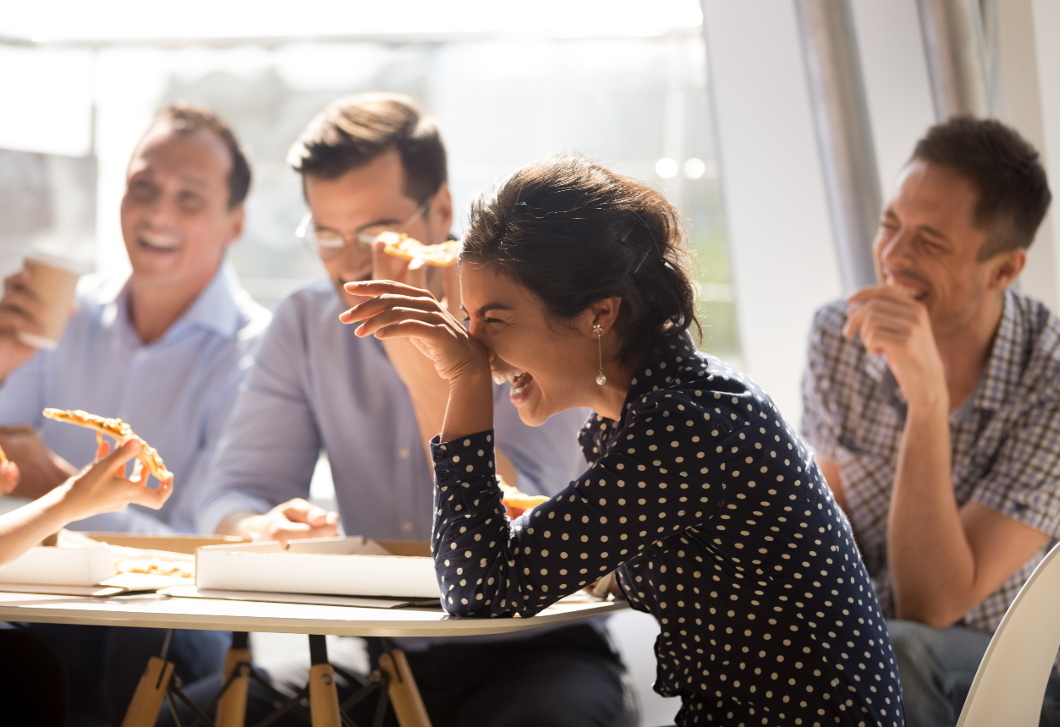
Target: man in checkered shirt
(932, 400)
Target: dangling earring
(599, 331)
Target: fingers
(20, 306)
(376, 288)
(115, 461)
(900, 311)
(386, 301)
(300, 511)
(398, 316)
(9, 477)
(154, 499)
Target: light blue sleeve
(271, 442)
(22, 393)
(547, 457)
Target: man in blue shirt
(372, 163)
(164, 349)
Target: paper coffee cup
(53, 281)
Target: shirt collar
(1001, 372)
(216, 308)
(659, 368)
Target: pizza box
(72, 561)
(76, 559)
(349, 566)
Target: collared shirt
(719, 524)
(1006, 436)
(316, 386)
(175, 392)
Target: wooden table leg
(404, 695)
(232, 707)
(146, 703)
(323, 694)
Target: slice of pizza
(401, 245)
(516, 502)
(116, 428)
(3, 457)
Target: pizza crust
(442, 255)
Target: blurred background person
(164, 349)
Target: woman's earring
(599, 331)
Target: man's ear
(238, 217)
(440, 212)
(1007, 266)
(602, 313)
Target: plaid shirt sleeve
(820, 427)
(1024, 482)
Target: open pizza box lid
(350, 566)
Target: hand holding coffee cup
(36, 305)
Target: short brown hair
(353, 130)
(574, 233)
(1006, 171)
(187, 119)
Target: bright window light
(695, 168)
(666, 168)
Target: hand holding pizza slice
(117, 429)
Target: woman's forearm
(23, 528)
(470, 408)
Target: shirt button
(406, 527)
(443, 474)
(403, 453)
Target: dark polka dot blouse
(717, 522)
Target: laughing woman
(710, 510)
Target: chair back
(1010, 684)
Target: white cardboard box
(349, 566)
(79, 566)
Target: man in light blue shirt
(176, 391)
(164, 350)
(373, 163)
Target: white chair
(1010, 684)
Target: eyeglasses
(329, 244)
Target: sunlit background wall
(632, 94)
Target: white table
(159, 611)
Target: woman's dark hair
(574, 233)
(1006, 170)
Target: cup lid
(77, 267)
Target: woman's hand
(397, 310)
(9, 477)
(103, 487)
